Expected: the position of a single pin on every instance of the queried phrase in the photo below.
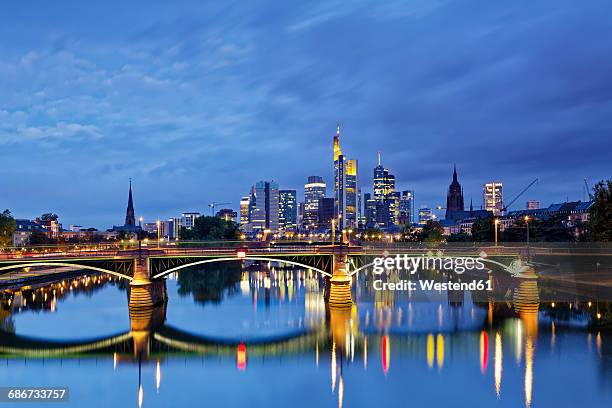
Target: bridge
(146, 267)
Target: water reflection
(281, 317)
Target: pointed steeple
(454, 173)
(130, 219)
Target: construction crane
(503, 210)
(214, 205)
(588, 189)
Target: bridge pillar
(144, 293)
(338, 293)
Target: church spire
(454, 172)
(130, 220)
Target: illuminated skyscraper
(386, 199)
(314, 190)
(287, 210)
(493, 197)
(351, 203)
(406, 207)
(339, 186)
(264, 206)
(244, 210)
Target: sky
(196, 101)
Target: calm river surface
(263, 336)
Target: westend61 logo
(412, 264)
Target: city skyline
(185, 102)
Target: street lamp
(496, 223)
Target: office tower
(287, 210)
(346, 187)
(264, 206)
(406, 207)
(244, 210)
(187, 219)
(314, 190)
(493, 197)
(339, 186)
(351, 194)
(454, 198)
(300, 214)
(326, 213)
(425, 214)
(386, 200)
(370, 210)
(533, 205)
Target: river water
(263, 336)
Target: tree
(432, 232)
(373, 234)
(7, 228)
(211, 228)
(599, 226)
(39, 238)
(49, 217)
(458, 237)
(483, 230)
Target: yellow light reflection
(340, 392)
(430, 350)
(333, 367)
(498, 363)
(528, 370)
(440, 350)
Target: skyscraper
(130, 219)
(287, 210)
(351, 208)
(386, 207)
(339, 186)
(326, 213)
(314, 190)
(454, 197)
(264, 206)
(406, 208)
(370, 210)
(244, 210)
(493, 198)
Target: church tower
(454, 198)
(130, 220)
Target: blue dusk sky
(197, 100)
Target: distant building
(244, 210)
(227, 214)
(75, 228)
(314, 190)
(351, 201)
(187, 219)
(326, 213)
(369, 210)
(346, 187)
(23, 231)
(493, 197)
(533, 204)
(454, 198)
(425, 214)
(264, 206)
(385, 208)
(406, 207)
(287, 210)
